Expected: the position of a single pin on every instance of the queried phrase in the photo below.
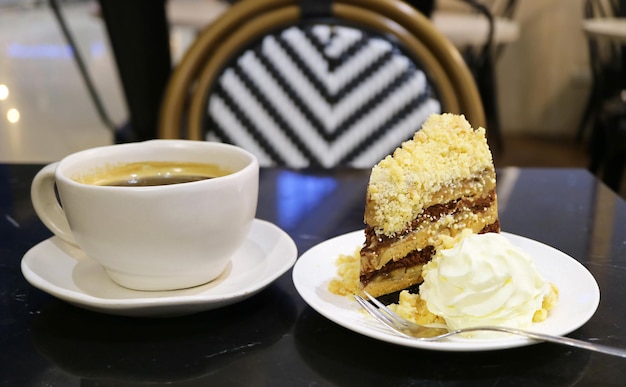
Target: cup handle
(47, 206)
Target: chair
(606, 109)
(480, 29)
(604, 62)
(82, 67)
(316, 83)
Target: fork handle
(554, 339)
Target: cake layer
(414, 258)
(475, 186)
(446, 220)
(398, 279)
(401, 274)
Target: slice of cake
(421, 197)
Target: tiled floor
(57, 117)
(56, 114)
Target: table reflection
(111, 350)
(359, 358)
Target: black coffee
(147, 181)
(152, 173)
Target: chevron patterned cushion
(320, 96)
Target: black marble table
(274, 338)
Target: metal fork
(409, 329)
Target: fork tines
(382, 313)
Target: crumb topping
(426, 170)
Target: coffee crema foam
(152, 173)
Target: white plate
(68, 274)
(579, 295)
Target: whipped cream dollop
(483, 280)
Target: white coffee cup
(160, 237)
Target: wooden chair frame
(246, 21)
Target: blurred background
(543, 79)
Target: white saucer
(67, 273)
(579, 295)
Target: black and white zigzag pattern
(320, 96)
